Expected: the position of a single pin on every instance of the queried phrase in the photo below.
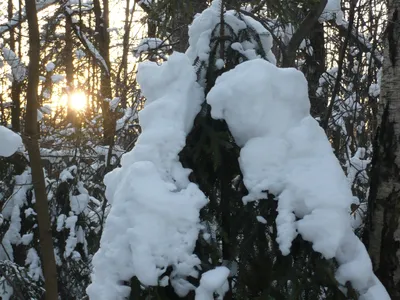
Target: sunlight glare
(78, 101)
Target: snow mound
(154, 219)
(285, 151)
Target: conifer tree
(244, 245)
(239, 241)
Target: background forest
(69, 88)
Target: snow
(261, 220)
(93, 50)
(332, 11)
(200, 32)
(27, 238)
(128, 116)
(357, 166)
(66, 174)
(80, 54)
(18, 69)
(46, 109)
(114, 103)
(213, 281)
(50, 67)
(11, 211)
(219, 63)
(147, 44)
(10, 142)
(145, 2)
(72, 240)
(56, 78)
(6, 291)
(243, 87)
(89, 45)
(33, 261)
(39, 115)
(375, 88)
(154, 219)
(78, 202)
(285, 151)
(60, 222)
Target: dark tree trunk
(122, 76)
(31, 141)
(69, 71)
(315, 68)
(184, 14)
(103, 41)
(15, 86)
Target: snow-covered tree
(232, 188)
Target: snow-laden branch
(89, 47)
(18, 69)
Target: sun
(78, 101)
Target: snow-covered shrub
(74, 167)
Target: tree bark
(31, 141)
(315, 68)
(185, 12)
(103, 40)
(15, 85)
(382, 233)
(122, 75)
(69, 71)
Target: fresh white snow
(11, 211)
(201, 29)
(286, 152)
(147, 44)
(50, 67)
(18, 69)
(10, 142)
(332, 11)
(154, 219)
(213, 281)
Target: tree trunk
(15, 86)
(315, 68)
(382, 233)
(185, 12)
(31, 141)
(122, 75)
(103, 40)
(69, 71)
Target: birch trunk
(382, 234)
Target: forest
(199, 149)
